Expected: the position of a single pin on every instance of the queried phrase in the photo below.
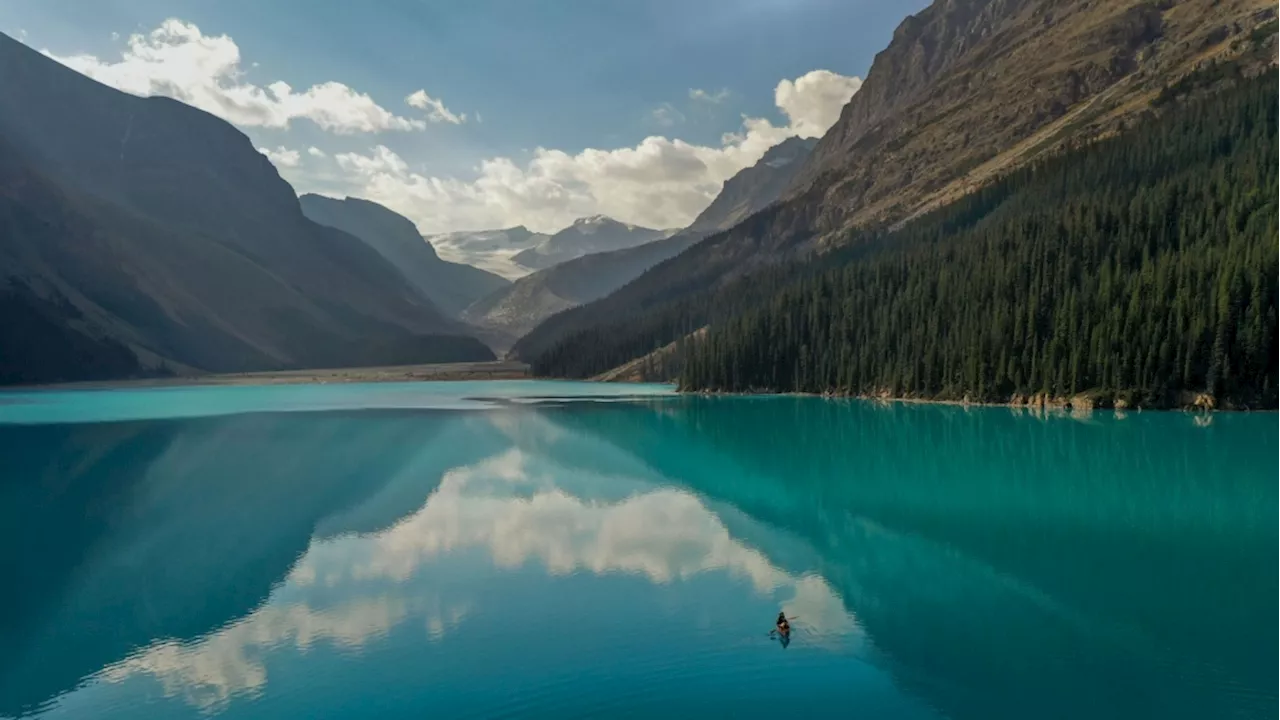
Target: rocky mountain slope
(451, 286)
(519, 308)
(967, 89)
(586, 236)
(145, 224)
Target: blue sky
(586, 81)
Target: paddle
(795, 617)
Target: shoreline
(1197, 403)
(438, 372)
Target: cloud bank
(177, 60)
(660, 182)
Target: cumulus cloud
(179, 61)
(715, 98)
(316, 152)
(282, 157)
(436, 111)
(814, 100)
(660, 182)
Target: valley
(780, 284)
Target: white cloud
(666, 115)
(814, 100)
(380, 162)
(282, 157)
(715, 98)
(660, 182)
(316, 152)
(436, 111)
(179, 61)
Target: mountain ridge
(586, 236)
(160, 227)
(833, 197)
(451, 286)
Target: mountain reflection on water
(578, 559)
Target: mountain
(489, 250)
(528, 301)
(750, 190)
(585, 236)
(451, 286)
(1137, 271)
(149, 225)
(967, 90)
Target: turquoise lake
(565, 550)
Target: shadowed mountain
(451, 286)
(166, 529)
(517, 309)
(146, 224)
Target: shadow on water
(1006, 565)
(135, 531)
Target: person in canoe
(783, 625)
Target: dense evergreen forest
(1136, 269)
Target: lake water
(524, 549)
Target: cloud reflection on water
(512, 505)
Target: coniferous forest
(1140, 269)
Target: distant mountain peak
(587, 235)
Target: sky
(489, 113)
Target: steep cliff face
(971, 88)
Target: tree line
(1138, 268)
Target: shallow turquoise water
(480, 550)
